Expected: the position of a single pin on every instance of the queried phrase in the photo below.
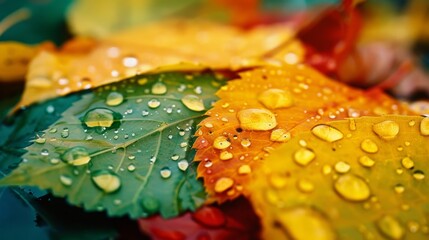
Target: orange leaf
(263, 109)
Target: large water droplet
(244, 169)
(366, 161)
(276, 98)
(424, 126)
(306, 223)
(66, 180)
(183, 165)
(280, 135)
(386, 130)
(101, 118)
(327, 133)
(105, 180)
(352, 188)
(193, 102)
(221, 142)
(165, 172)
(159, 88)
(114, 99)
(407, 163)
(76, 156)
(257, 119)
(369, 146)
(304, 156)
(390, 227)
(223, 184)
(153, 103)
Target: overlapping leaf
(362, 178)
(262, 110)
(125, 148)
(168, 45)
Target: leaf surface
(262, 110)
(125, 147)
(371, 183)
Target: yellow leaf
(347, 192)
(14, 59)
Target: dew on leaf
(342, 167)
(399, 188)
(276, 98)
(101, 118)
(413, 226)
(54, 161)
(114, 99)
(145, 113)
(221, 142)
(305, 186)
(225, 155)
(257, 119)
(418, 175)
(193, 102)
(326, 169)
(131, 167)
(327, 133)
(165, 172)
(303, 156)
(150, 204)
(183, 165)
(106, 181)
(369, 146)
(277, 181)
(390, 227)
(386, 130)
(66, 180)
(366, 161)
(76, 156)
(40, 140)
(130, 61)
(245, 142)
(424, 126)
(131, 157)
(407, 163)
(65, 133)
(223, 184)
(352, 187)
(175, 157)
(153, 103)
(280, 135)
(244, 169)
(53, 130)
(44, 152)
(159, 88)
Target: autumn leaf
(351, 179)
(180, 45)
(263, 109)
(232, 220)
(125, 147)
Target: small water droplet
(150, 204)
(280, 135)
(145, 113)
(208, 125)
(159, 88)
(193, 102)
(399, 188)
(153, 103)
(352, 187)
(366, 161)
(208, 163)
(101, 118)
(65, 133)
(304, 156)
(170, 136)
(342, 167)
(221, 142)
(413, 226)
(183, 165)
(257, 119)
(114, 99)
(244, 169)
(53, 130)
(418, 175)
(183, 144)
(44, 152)
(175, 157)
(411, 123)
(245, 142)
(327, 133)
(407, 163)
(106, 181)
(225, 155)
(305, 186)
(223, 184)
(276, 98)
(76, 156)
(130, 61)
(66, 180)
(386, 130)
(131, 157)
(369, 146)
(352, 124)
(424, 126)
(40, 140)
(181, 132)
(390, 227)
(165, 172)
(54, 161)
(131, 167)
(50, 109)
(326, 169)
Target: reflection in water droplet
(130, 61)
(276, 98)
(131, 167)
(114, 99)
(257, 119)
(305, 186)
(369, 146)
(107, 181)
(366, 161)
(101, 118)
(221, 142)
(304, 156)
(40, 140)
(66, 180)
(327, 133)
(418, 175)
(306, 223)
(244, 169)
(390, 227)
(183, 165)
(153, 103)
(208, 163)
(342, 167)
(76, 156)
(159, 88)
(193, 102)
(399, 188)
(407, 163)
(165, 172)
(424, 126)
(44, 152)
(352, 187)
(225, 155)
(145, 113)
(386, 130)
(245, 142)
(65, 133)
(223, 184)
(174, 157)
(280, 135)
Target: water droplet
(53, 130)
(105, 180)
(327, 133)
(244, 169)
(131, 167)
(418, 175)
(223, 184)
(326, 169)
(221, 142)
(44, 152)
(386, 130)
(305, 186)
(159, 88)
(424, 126)
(165, 172)
(193, 102)
(50, 109)
(407, 163)
(276, 98)
(411, 123)
(342, 167)
(183, 144)
(225, 155)
(145, 113)
(130, 61)
(114, 99)
(390, 227)
(208, 125)
(65, 133)
(54, 161)
(280, 135)
(352, 124)
(257, 119)
(66, 180)
(245, 142)
(150, 204)
(304, 156)
(76, 156)
(352, 187)
(208, 163)
(153, 103)
(399, 188)
(306, 223)
(369, 146)
(101, 118)
(175, 157)
(183, 165)
(366, 161)
(181, 132)
(40, 140)
(413, 226)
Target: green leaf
(125, 148)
